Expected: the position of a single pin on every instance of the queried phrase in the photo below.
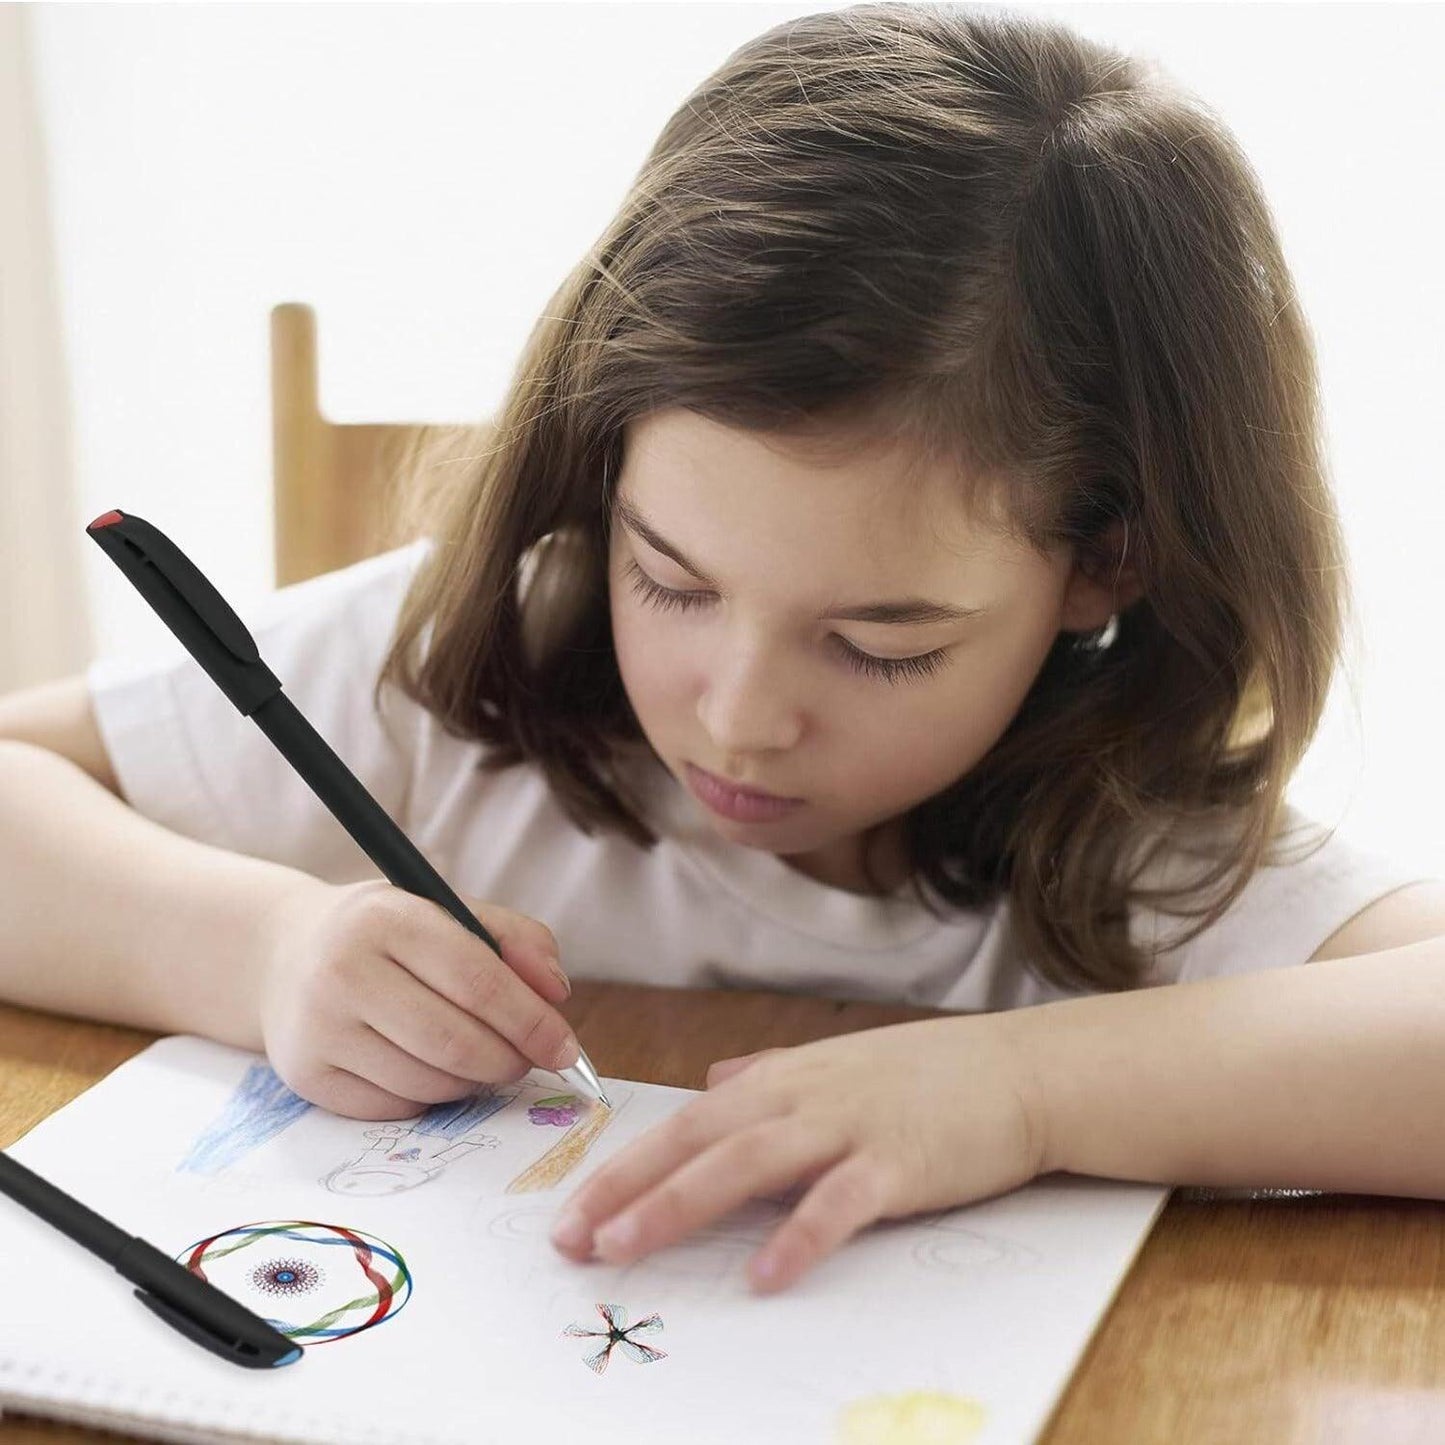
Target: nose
(746, 703)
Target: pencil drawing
(261, 1107)
(402, 1155)
(950, 1246)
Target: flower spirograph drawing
(618, 1335)
(315, 1283)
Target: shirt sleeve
(1284, 912)
(186, 758)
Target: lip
(743, 805)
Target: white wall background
(425, 175)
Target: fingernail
(569, 1053)
(618, 1237)
(563, 980)
(765, 1269)
(571, 1232)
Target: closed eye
(887, 669)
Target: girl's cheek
(655, 661)
(667, 671)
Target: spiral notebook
(411, 1261)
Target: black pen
(183, 1300)
(200, 617)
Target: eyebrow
(902, 610)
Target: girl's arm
(108, 915)
(366, 1000)
(1328, 1075)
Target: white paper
(960, 1327)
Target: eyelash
(887, 669)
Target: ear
(1099, 589)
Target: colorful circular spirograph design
(313, 1282)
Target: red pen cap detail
(106, 520)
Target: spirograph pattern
(286, 1276)
(327, 1281)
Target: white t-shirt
(693, 911)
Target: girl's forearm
(1327, 1076)
(108, 915)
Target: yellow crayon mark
(564, 1156)
(920, 1417)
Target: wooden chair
(333, 481)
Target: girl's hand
(375, 1003)
(882, 1123)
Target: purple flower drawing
(560, 1109)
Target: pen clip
(185, 601)
(238, 1352)
(150, 545)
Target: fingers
(636, 1169)
(722, 1070)
(740, 1167)
(448, 1049)
(847, 1198)
(528, 946)
(401, 1070)
(851, 1195)
(688, 1171)
(460, 968)
(344, 1093)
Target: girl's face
(745, 666)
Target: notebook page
(411, 1261)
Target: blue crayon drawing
(259, 1109)
(262, 1106)
(459, 1116)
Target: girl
(902, 568)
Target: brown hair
(1028, 252)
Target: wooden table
(1280, 1318)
